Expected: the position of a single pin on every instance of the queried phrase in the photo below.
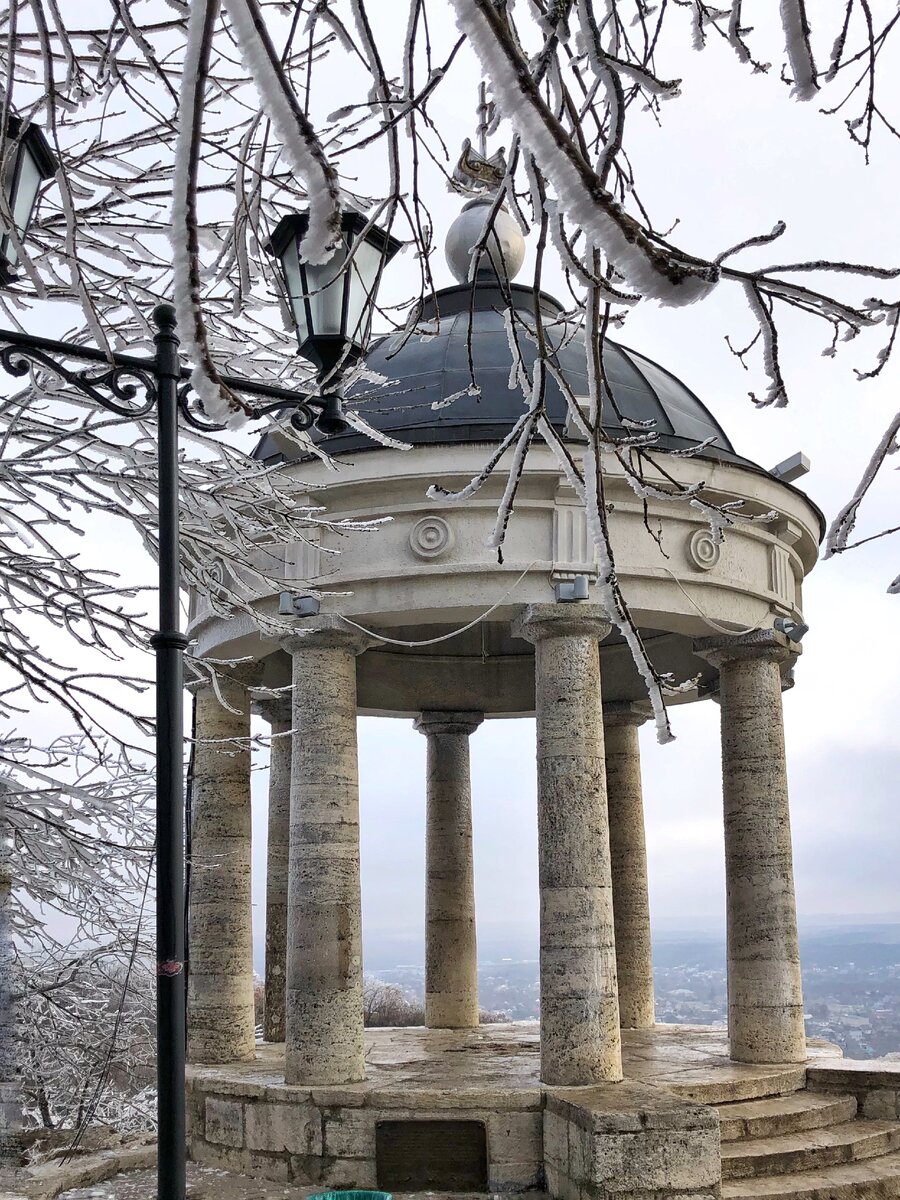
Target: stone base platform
(464, 1111)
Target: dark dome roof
(427, 369)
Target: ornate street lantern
(332, 303)
(26, 161)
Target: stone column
(765, 1003)
(451, 963)
(221, 1024)
(324, 1009)
(580, 1040)
(628, 852)
(278, 713)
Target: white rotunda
(421, 620)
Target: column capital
(274, 709)
(624, 712)
(326, 631)
(580, 619)
(767, 644)
(448, 722)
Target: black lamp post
(332, 303)
(132, 386)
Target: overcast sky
(732, 158)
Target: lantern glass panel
(28, 182)
(325, 282)
(362, 275)
(293, 279)
(21, 182)
(332, 302)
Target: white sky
(731, 158)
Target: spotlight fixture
(291, 605)
(570, 590)
(791, 468)
(794, 631)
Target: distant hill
(824, 942)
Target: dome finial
(504, 249)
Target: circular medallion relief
(430, 537)
(702, 550)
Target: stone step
(733, 1081)
(810, 1150)
(871, 1179)
(776, 1115)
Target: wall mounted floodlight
(794, 631)
(291, 605)
(570, 590)
(791, 468)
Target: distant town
(851, 981)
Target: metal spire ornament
(475, 172)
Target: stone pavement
(494, 1067)
(205, 1183)
(691, 1060)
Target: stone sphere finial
(505, 251)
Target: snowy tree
(184, 132)
(10, 1090)
(74, 647)
(67, 469)
(76, 993)
(78, 1016)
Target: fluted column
(221, 1025)
(278, 713)
(765, 1002)
(580, 1039)
(451, 960)
(324, 1009)
(628, 853)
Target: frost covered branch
(232, 108)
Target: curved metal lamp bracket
(110, 388)
(128, 386)
(306, 410)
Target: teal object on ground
(352, 1196)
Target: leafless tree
(76, 923)
(384, 1004)
(184, 132)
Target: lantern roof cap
(295, 225)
